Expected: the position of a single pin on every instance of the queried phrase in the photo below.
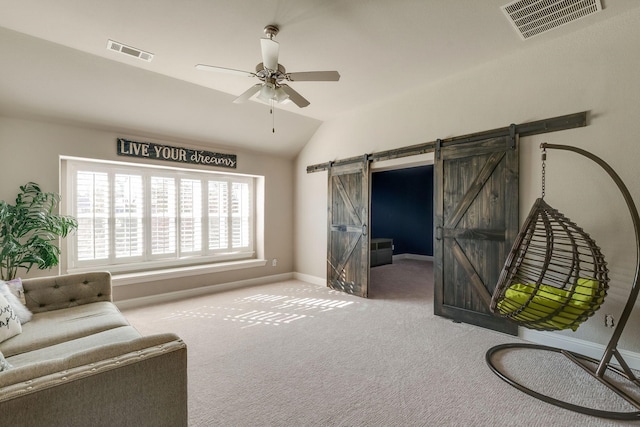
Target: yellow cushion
(549, 299)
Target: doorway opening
(401, 220)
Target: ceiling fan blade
(270, 50)
(248, 94)
(294, 96)
(314, 76)
(204, 67)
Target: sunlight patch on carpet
(279, 310)
(299, 303)
(256, 317)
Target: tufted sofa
(78, 362)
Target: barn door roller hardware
(513, 136)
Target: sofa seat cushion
(78, 345)
(54, 327)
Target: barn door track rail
(569, 121)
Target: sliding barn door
(476, 221)
(348, 239)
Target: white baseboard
(413, 256)
(321, 281)
(575, 345)
(204, 290)
(315, 280)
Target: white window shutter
(92, 211)
(190, 215)
(128, 215)
(163, 215)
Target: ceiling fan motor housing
(271, 31)
(265, 74)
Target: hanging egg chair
(555, 276)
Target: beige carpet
(297, 354)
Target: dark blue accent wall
(402, 209)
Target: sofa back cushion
(56, 292)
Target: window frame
(71, 165)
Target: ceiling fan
(272, 75)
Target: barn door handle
(364, 229)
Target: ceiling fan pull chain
(273, 119)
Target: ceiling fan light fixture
(280, 95)
(267, 93)
(270, 92)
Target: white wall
(593, 70)
(30, 151)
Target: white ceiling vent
(533, 17)
(128, 50)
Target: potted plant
(29, 231)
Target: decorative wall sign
(150, 150)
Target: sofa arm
(140, 382)
(56, 292)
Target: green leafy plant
(29, 231)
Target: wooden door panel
(348, 217)
(469, 272)
(463, 207)
(476, 220)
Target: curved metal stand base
(562, 404)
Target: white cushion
(15, 285)
(4, 365)
(9, 323)
(10, 293)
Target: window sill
(174, 273)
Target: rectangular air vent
(128, 50)
(533, 17)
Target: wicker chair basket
(555, 276)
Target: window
(133, 218)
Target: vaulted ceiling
(56, 65)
